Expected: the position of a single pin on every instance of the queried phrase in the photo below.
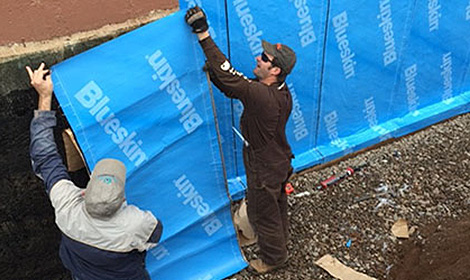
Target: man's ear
(275, 70)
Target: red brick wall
(36, 20)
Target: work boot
(244, 241)
(259, 266)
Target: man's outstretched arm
(46, 160)
(230, 81)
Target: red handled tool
(335, 179)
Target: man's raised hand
(40, 79)
(196, 18)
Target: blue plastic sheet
(433, 63)
(348, 84)
(366, 71)
(143, 99)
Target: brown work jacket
(265, 114)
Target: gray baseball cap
(283, 55)
(104, 194)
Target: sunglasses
(265, 58)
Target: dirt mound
(442, 254)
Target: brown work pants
(267, 208)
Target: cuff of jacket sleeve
(44, 113)
(207, 42)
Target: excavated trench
(428, 172)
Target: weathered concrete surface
(37, 20)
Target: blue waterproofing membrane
(366, 71)
(143, 99)
(349, 86)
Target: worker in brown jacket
(267, 155)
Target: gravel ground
(423, 178)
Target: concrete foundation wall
(36, 20)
